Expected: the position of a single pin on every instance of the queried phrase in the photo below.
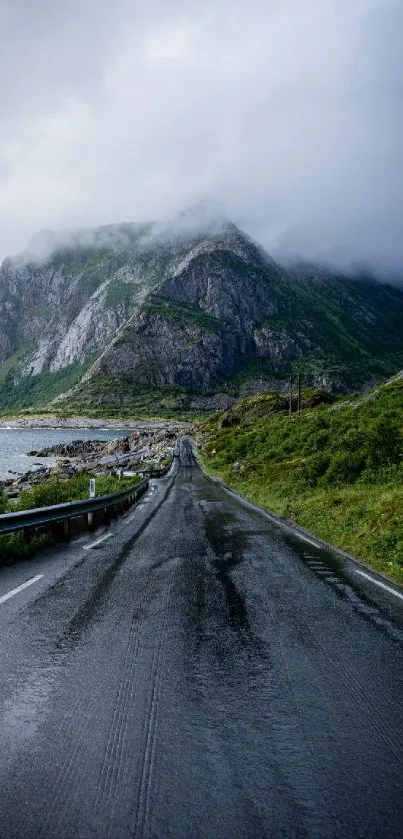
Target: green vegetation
(120, 293)
(186, 314)
(3, 501)
(58, 491)
(15, 547)
(251, 370)
(113, 397)
(80, 259)
(337, 469)
(44, 494)
(35, 391)
(14, 361)
(346, 317)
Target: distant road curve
(196, 671)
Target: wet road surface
(200, 673)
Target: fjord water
(16, 442)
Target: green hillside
(336, 469)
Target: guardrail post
(90, 521)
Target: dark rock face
(205, 320)
(227, 304)
(74, 449)
(151, 441)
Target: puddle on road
(25, 709)
(228, 545)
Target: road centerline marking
(17, 590)
(378, 583)
(97, 542)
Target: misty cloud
(287, 115)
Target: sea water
(16, 442)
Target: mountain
(112, 312)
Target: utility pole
(290, 408)
(299, 393)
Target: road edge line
(370, 574)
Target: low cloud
(287, 115)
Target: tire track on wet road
(202, 676)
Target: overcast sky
(288, 114)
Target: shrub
(384, 444)
(14, 547)
(3, 501)
(344, 468)
(314, 468)
(57, 491)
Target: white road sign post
(90, 521)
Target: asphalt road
(199, 673)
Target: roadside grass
(14, 547)
(336, 469)
(44, 494)
(58, 491)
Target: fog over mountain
(288, 116)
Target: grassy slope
(35, 391)
(119, 397)
(336, 470)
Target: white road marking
(97, 542)
(378, 583)
(306, 539)
(20, 588)
(301, 536)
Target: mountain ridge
(192, 309)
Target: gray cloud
(289, 115)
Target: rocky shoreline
(149, 445)
(87, 422)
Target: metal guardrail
(40, 516)
(153, 473)
(27, 520)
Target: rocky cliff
(137, 306)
